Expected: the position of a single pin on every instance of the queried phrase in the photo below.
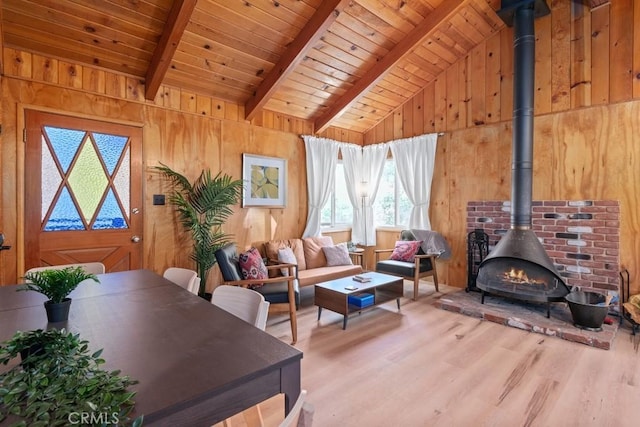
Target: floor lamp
(363, 193)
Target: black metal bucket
(588, 309)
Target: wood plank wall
(587, 124)
(184, 130)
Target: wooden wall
(186, 131)
(587, 140)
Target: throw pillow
(271, 250)
(405, 250)
(252, 266)
(287, 256)
(313, 254)
(337, 255)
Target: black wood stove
(519, 267)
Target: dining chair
(194, 287)
(301, 415)
(251, 307)
(244, 303)
(89, 267)
(183, 277)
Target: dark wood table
(196, 364)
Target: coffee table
(334, 294)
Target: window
(338, 210)
(392, 206)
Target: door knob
(135, 239)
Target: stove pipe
(523, 92)
(521, 14)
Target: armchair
(423, 265)
(282, 293)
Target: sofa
(310, 258)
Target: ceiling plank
(325, 15)
(444, 12)
(177, 21)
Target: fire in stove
(520, 277)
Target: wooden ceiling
(344, 63)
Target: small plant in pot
(57, 284)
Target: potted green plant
(56, 284)
(61, 383)
(203, 207)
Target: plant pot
(58, 312)
(588, 309)
(33, 351)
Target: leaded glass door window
(83, 192)
(85, 177)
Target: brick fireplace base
(528, 316)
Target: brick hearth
(528, 316)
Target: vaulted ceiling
(344, 63)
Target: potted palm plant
(203, 207)
(56, 284)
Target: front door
(83, 192)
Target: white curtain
(373, 158)
(322, 156)
(414, 158)
(352, 162)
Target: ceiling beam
(177, 21)
(425, 28)
(325, 15)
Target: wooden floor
(424, 366)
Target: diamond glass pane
(121, 182)
(88, 180)
(65, 215)
(110, 148)
(110, 215)
(51, 179)
(65, 143)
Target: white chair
(251, 307)
(301, 415)
(194, 287)
(183, 277)
(89, 267)
(244, 303)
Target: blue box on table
(361, 300)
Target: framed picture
(265, 181)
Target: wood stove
(519, 267)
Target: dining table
(195, 363)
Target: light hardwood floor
(424, 366)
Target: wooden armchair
(423, 265)
(282, 293)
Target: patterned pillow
(252, 266)
(337, 255)
(287, 256)
(405, 250)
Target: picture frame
(265, 181)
